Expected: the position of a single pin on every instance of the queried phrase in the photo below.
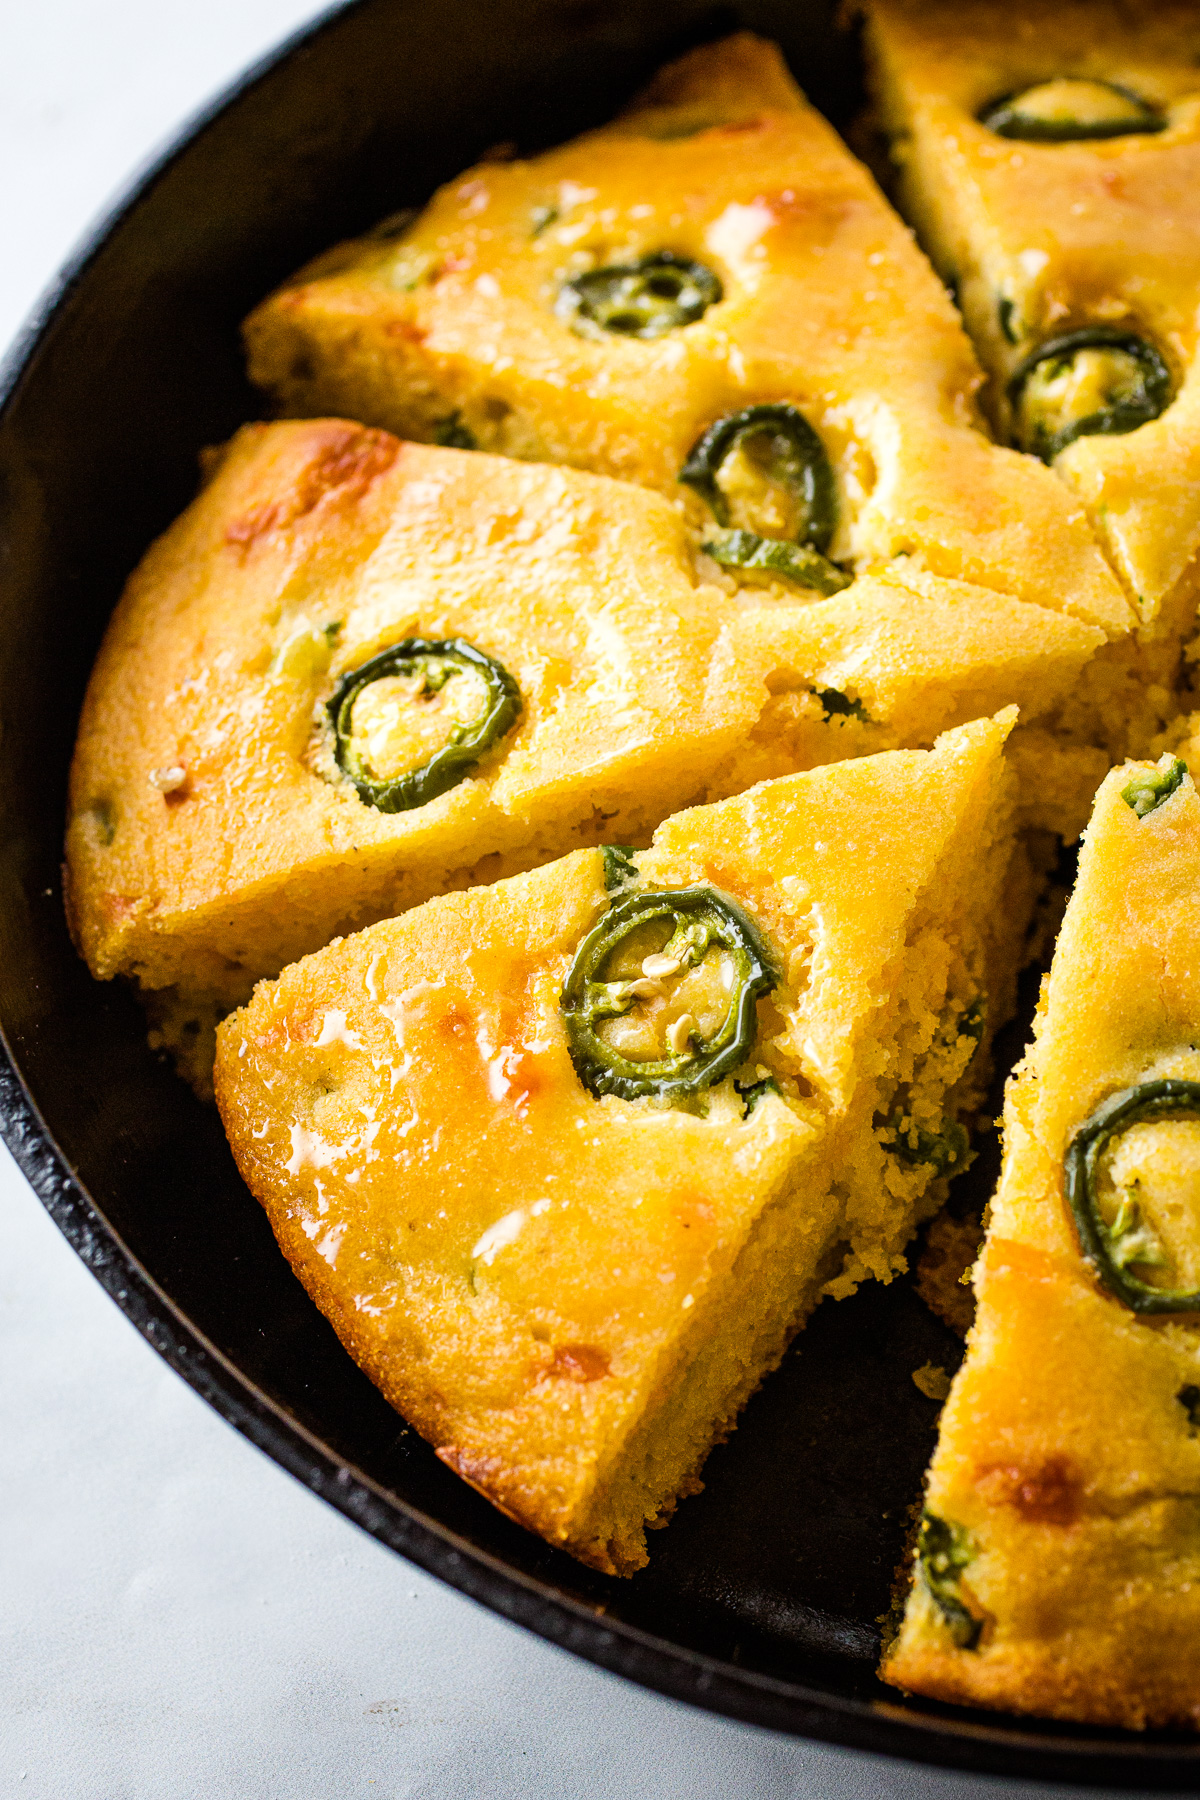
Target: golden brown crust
(1068, 1462)
(210, 839)
(731, 167)
(1043, 239)
(571, 1298)
(208, 843)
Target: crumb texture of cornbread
(1065, 1488)
(816, 298)
(571, 1297)
(1045, 239)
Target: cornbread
(215, 835)
(591, 772)
(613, 303)
(569, 1291)
(1059, 1570)
(1081, 218)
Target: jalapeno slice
(774, 559)
(645, 299)
(1113, 1247)
(427, 665)
(1145, 792)
(765, 470)
(620, 870)
(451, 434)
(753, 1093)
(947, 1151)
(944, 1551)
(1071, 110)
(1098, 381)
(664, 936)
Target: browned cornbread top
(825, 304)
(1044, 239)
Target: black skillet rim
(940, 1736)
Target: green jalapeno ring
(1006, 312)
(1004, 117)
(1149, 1100)
(776, 557)
(701, 916)
(817, 489)
(660, 292)
(467, 743)
(1110, 421)
(944, 1551)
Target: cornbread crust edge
(580, 1396)
(1067, 1451)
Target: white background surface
(178, 1618)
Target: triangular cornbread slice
(214, 835)
(1059, 1559)
(567, 1273)
(1047, 234)
(619, 303)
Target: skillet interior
(762, 1599)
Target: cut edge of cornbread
(1068, 1463)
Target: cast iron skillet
(762, 1598)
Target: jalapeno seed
(1114, 1246)
(646, 299)
(944, 1552)
(1097, 381)
(1071, 110)
(415, 720)
(674, 1032)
